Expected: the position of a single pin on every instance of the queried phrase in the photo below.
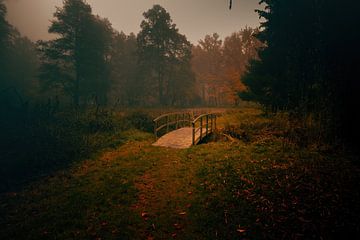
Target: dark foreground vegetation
(255, 179)
(43, 138)
(308, 65)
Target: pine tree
(76, 61)
(18, 63)
(310, 60)
(4, 38)
(160, 48)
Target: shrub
(39, 141)
(140, 120)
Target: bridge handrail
(209, 116)
(205, 122)
(168, 114)
(180, 117)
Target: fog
(195, 19)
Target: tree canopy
(307, 66)
(18, 64)
(76, 60)
(220, 65)
(163, 52)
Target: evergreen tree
(124, 66)
(160, 48)
(76, 61)
(4, 26)
(309, 63)
(18, 64)
(4, 38)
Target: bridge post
(155, 127)
(207, 124)
(177, 121)
(201, 126)
(193, 133)
(215, 122)
(167, 123)
(183, 120)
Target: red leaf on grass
(241, 230)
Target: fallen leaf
(177, 226)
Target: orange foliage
(219, 66)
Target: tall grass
(40, 139)
(302, 132)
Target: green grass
(255, 184)
(89, 200)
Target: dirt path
(165, 193)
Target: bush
(140, 120)
(38, 140)
(303, 132)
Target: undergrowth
(39, 140)
(279, 179)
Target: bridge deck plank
(180, 138)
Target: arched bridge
(183, 129)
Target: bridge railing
(202, 126)
(171, 121)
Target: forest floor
(255, 186)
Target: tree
(281, 78)
(76, 61)
(18, 64)
(239, 49)
(97, 57)
(208, 66)
(4, 25)
(219, 66)
(4, 39)
(124, 68)
(309, 63)
(22, 66)
(160, 48)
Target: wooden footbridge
(183, 129)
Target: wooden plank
(181, 139)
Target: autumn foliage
(219, 65)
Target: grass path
(135, 191)
(165, 193)
(253, 188)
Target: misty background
(195, 19)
